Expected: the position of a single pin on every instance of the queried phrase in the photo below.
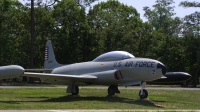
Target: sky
(139, 4)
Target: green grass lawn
(57, 98)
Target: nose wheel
(143, 92)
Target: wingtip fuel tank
(11, 71)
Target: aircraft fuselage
(127, 70)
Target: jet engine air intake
(163, 67)
(118, 75)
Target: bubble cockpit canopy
(114, 56)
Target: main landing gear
(112, 89)
(76, 90)
(72, 88)
(143, 92)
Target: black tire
(145, 94)
(116, 89)
(111, 90)
(77, 90)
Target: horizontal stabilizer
(39, 70)
(60, 76)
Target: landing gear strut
(143, 92)
(76, 90)
(73, 89)
(112, 90)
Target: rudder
(50, 60)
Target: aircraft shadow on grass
(70, 98)
(144, 102)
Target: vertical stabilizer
(50, 60)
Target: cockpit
(114, 56)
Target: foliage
(84, 3)
(114, 26)
(190, 4)
(71, 31)
(191, 30)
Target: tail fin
(50, 61)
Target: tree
(12, 30)
(114, 26)
(189, 4)
(71, 31)
(191, 30)
(162, 17)
(84, 3)
(165, 42)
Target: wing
(60, 76)
(132, 83)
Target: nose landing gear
(143, 92)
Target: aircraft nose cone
(163, 67)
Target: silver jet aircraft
(10, 71)
(110, 69)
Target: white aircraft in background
(111, 69)
(11, 71)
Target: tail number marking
(50, 61)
